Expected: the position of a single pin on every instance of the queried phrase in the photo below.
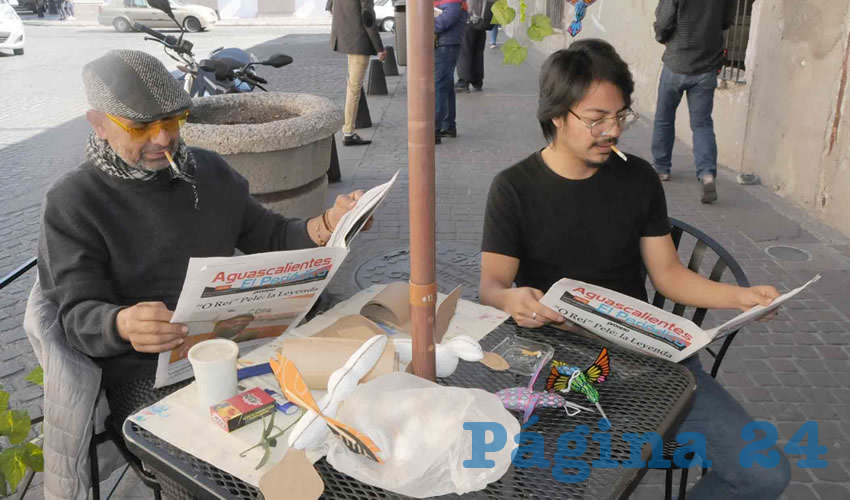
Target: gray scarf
(99, 152)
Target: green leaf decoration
(541, 27)
(522, 8)
(266, 454)
(36, 376)
(514, 52)
(4, 400)
(34, 457)
(502, 13)
(15, 425)
(12, 465)
(3, 490)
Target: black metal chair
(109, 433)
(724, 261)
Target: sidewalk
(788, 371)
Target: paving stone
(832, 491)
(799, 491)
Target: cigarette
(171, 161)
(621, 155)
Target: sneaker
(447, 132)
(709, 189)
(462, 87)
(664, 177)
(437, 139)
(492, 45)
(354, 140)
(478, 88)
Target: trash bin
(400, 7)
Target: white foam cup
(214, 364)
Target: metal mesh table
(642, 395)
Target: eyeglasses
(152, 129)
(604, 125)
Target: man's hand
(146, 327)
(382, 55)
(342, 205)
(523, 304)
(756, 295)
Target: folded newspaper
(640, 326)
(252, 298)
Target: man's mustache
(608, 142)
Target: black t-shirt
(588, 229)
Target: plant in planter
(16, 453)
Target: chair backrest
(706, 254)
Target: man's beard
(607, 142)
(147, 165)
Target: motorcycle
(226, 71)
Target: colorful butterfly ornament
(567, 378)
(526, 399)
(581, 10)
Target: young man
(692, 31)
(118, 231)
(449, 28)
(576, 210)
(354, 32)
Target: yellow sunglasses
(146, 130)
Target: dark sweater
(693, 33)
(108, 243)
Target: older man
(118, 231)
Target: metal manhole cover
(457, 264)
(791, 254)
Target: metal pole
(420, 145)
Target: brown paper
(392, 307)
(354, 326)
(318, 358)
(494, 362)
(293, 478)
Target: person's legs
(664, 130)
(719, 418)
(465, 61)
(700, 105)
(445, 59)
(479, 40)
(450, 124)
(357, 64)
(494, 34)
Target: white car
(11, 29)
(385, 15)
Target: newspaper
(640, 326)
(252, 298)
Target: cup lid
(213, 351)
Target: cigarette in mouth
(619, 153)
(171, 160)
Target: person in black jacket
(470, 62)
(692, 31)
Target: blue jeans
(700, 90)
(494, 34)
(445, 60)
(719, 417)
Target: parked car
(385, 15)
(123, 14)
(11, 29)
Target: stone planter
(280, 142)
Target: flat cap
(134, 85)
